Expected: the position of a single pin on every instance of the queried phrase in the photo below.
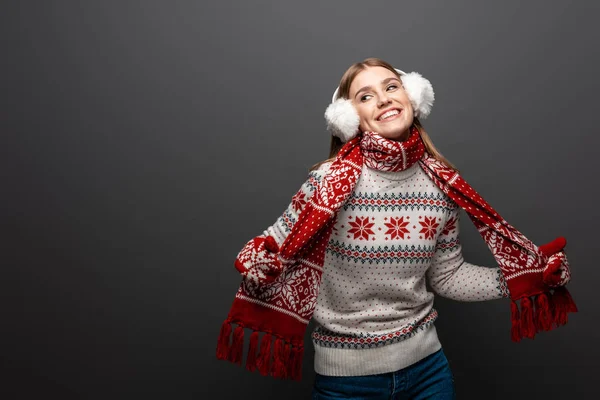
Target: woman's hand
(557, 272)
(258, 261)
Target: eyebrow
(383, 82)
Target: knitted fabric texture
(279, 291)
(394, 249)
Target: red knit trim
(263, 319)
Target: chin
(396, 134)
(395, 131)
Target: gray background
(143, 143)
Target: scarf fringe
(237, 346)
(551, 311)
(278, 369)
(543, 313)
(296, 364)
(223, 342)
(515, 330)
(527, 323)
(277, 358)
(252, 356)
(263, 361)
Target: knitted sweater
(397, 231)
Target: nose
(383, 99)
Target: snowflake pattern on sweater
(397, 232)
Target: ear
(420, 93)
(342, 119)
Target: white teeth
(389, 114)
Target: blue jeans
(429, 378)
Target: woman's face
(381, 103)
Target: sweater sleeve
(283, 225)
(451, 276)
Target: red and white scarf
(281, 305)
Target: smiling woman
(358, 244)
(384, 107)
(345, 116)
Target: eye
(365, 97)
(392, 87)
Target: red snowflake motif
(450, 226)
(361, 228)
(397, 227)
(298, 201)
(430, 226)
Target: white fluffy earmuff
(343, 120)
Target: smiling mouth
(389, 115)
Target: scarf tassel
(515, 330)
(223, 345)
(263, 362)
(527, 322)
(252, 356)
(563, 304)
(543, 313)
(278, 367)
(295, 366)
(277, 358)
(237, 346)
(551, 311)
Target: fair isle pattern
(313, 180)
(291, 294)
(515, 254)
(364, 340)
(240, 295)
(394, 254)
(390, 155)
(376, 202)
(444, 245)
(255, 262)
(330, 193)
(287, 220)
(294, 291)
(302, 252)
(502, 286)
(299, 200)
(484, 217)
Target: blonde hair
(344, 92)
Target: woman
(358, 243)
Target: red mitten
(545, 301)
(258, 261)
(557, 272)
